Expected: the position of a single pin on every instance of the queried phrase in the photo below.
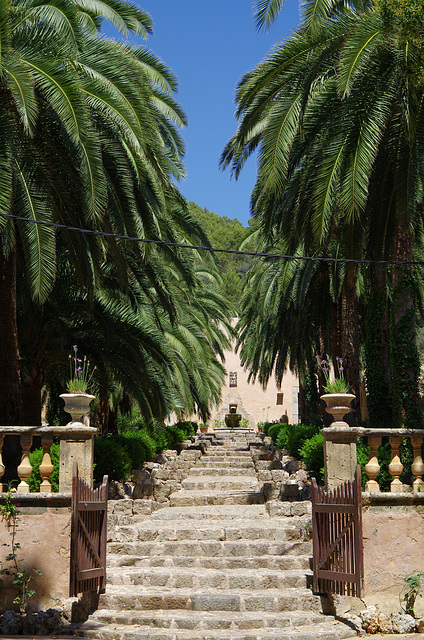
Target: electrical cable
(256, 254)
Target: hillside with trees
(225, 233)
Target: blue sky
(209, 46)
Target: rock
(290, 492)
(369, 619)
(271, 490)
(292, 466)
(403, 623)
(419, 624)
(385, 623)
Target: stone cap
(78, 429)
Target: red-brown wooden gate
(88, 536)
(337, 538)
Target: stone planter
(338, 405)
(77, 405)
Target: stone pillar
(76, 445)
(339, 454)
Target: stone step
(225, 483)
(130, 597)
(214, 512)
(219, 452)
(204, 548)
(220, 463)
(200, 498)
(276, 529)
(277, 563)
(191, 578)
(209, 470)
(177, 619)
(324, 631)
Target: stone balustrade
(340, 455)
(76, 445)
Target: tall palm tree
(336, 114)
(88, 138)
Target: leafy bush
(293, 436)
(312, 454)
(36, 458)
(111, 459)
(272, 430)
(118, 454)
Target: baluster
(2, 469)
(372, 468)
(395, 466)
(46, 467)
(25, 469)
(417, 467)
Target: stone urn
(232, 419)
(77, 405)
(338, 405)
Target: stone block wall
(44, 538)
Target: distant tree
(226, 233)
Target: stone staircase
(214, 564)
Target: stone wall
(393, 548)
(44, 537)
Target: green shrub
(118, 454)
(266, 426)
(36, 458)
(292, 437)
(272, 430)
(111, 459)
(139, 445)
(312, 454)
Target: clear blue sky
(209, 46)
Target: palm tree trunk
(350, 335)
(10, 398)
(377, 351)
(404, 355)
(31, 403)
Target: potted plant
(337, 397)
(77, 400)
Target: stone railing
(340, 456)
(76, 445)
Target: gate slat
(337, 538)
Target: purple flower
(79, 369)
(75, 347)
(79, 360)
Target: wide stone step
(199, 498)
(124, 597)
(205, 620)
(276, 529)
(227, 483)
(324, 631)
(214, 512)
(204, 548)
(214, 471)
(276, 563)
(219, 462)
(219, 452)
(191, 578)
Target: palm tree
(336, 113)
(89, 139)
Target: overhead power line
(178, 245)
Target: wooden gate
(88, 536)
(337, 538)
